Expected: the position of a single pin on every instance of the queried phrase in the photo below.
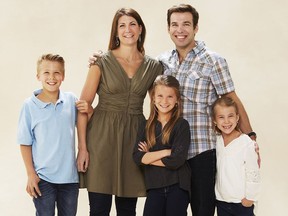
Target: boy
(46, 134)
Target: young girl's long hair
(171, 82)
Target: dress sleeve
(180, 145)
(252, 172)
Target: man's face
(182, 31)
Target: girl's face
(165, 99)
(226, 118)
(128, 30)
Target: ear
(237, 117)
(196, 29)
(37, 77)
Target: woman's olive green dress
(112, 130)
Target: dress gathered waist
(118, 103)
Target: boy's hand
(32, 185)
(83, 107)
(247, 203)
(93, 58)
(82, 160)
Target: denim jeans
(100, 205)
(203, 171)
(166, 201)
(64, 196)
(233, 209)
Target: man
(203, 77)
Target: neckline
(122, 69)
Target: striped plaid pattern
(203, 76)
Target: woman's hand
(82, 160)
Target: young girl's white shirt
(238, 174)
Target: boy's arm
(33, 179)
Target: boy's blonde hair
(51, 57)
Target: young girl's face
(165, 99)
(226, 118)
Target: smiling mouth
(180, 36)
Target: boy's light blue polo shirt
(50, 130)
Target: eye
(173, 25)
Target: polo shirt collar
(42, 104)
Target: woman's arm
(88, 94)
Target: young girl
(238, 177)
(162, 148)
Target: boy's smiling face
(51, 74)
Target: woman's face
(128, 30)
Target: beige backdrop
(252, 35)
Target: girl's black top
(176, 170)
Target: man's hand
(258, 153)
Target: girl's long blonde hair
(171, 82)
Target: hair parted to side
(181, 8)
(171, 82)
(223, 101)
(51, 57)
(114, 43)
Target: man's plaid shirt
(203, 76)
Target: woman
(121, 78)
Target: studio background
(251, 35)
